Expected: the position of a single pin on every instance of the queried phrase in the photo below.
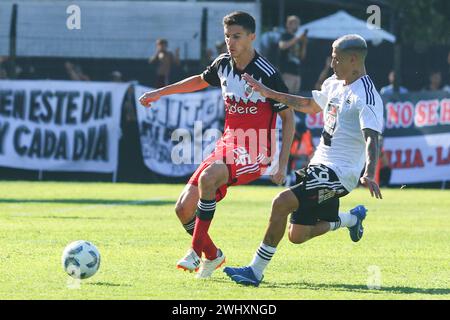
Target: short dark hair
(162, 41)
(242, 19)
(434, 71)
(352, 43)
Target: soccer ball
(81, 259)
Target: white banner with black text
(60, 125)
(178, 131)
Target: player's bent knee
(179, 209)
(183, 212)
(278, 212)
(214, 176)
(283, 204)
(206, 180)
(297, 237)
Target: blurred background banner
(179, 131)
(417, 113)
(60, 125)
(75, 126)
(417, 137)
(127, 46)
(419, 159)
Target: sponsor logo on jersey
(232, 109)
(325, 194)
(234, 86)
(248, 90)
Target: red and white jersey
(246, 109)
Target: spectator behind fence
(435, 81)
(292, 52)
(3, 73)
(4, 64)
(165, 61)
(269, 46)
(116, 76)
(129, 106)
(389, 89)
(384, 170)
(11, 70)
(74, 72)
(27, 71)
(221, 47)
(447, 77)
(324, 74)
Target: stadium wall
(114, 29)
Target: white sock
(345, 220)
(335, 225)
(261, 259)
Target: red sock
(200, 236)
(209, 248)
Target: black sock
(206, 209)
(190, 226)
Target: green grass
(407, 236)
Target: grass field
(407, 237)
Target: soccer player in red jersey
(246, 147)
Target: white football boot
(190, 262)
(208, 266)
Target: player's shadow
(108, 284)
(111, 202)
(71, 217)
(356, 288)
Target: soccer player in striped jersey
(353, 121)
(246, 148)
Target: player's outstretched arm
(368, 178)
(298, 103)
(190, 84)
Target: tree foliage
(424, 21)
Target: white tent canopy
(341, 23)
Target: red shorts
(243, 168)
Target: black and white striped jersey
(347, 109)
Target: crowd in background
(287, 50)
